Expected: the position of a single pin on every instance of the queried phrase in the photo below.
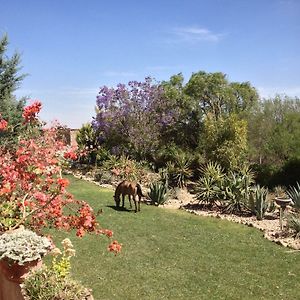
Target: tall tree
(10, 80)
(218, 97)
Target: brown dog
(131, 189)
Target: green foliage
(10, 108)
(158, 193)
(225, 141)
(179, 170)
(87, 140)
(9, 215)
(209, 186)
(45, 284)
(258, 201)
(55, 282)
(274, 129)
(217, 96)
(294, 193)
(123, 167)
(236, 190)
(293, 223)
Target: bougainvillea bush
(32, 190)
(132, 119)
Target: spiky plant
(258, 201)
(294, 193)
(293, 223)
(158, 193)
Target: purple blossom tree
(133, 117)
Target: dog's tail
(139, 190)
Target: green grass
(171, 254)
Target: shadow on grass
(124, 209)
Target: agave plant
(158, 193)
(258, 201)
(294, 193)
(236, 192)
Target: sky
(71, 48)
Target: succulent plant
(22, 246)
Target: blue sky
(70, 48)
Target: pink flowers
(30, 112)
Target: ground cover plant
(169, 254)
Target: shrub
(55, 282)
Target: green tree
(274, 130)
(10, 80)
(217, 96)
(225, 141)
(189, 118)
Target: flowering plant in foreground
(32, 190)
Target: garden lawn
(171, 254)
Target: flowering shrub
(3, 124)
(32, 190)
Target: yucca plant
(207, 191)
(209, 186)
(180, 170)
(294, 193)
(158, 193)
(258, 201)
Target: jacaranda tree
(132, 118)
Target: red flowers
(30, 112)
(115, 247)
(63, 182)
(3, 124)
(70, 155)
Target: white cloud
(195, 34)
